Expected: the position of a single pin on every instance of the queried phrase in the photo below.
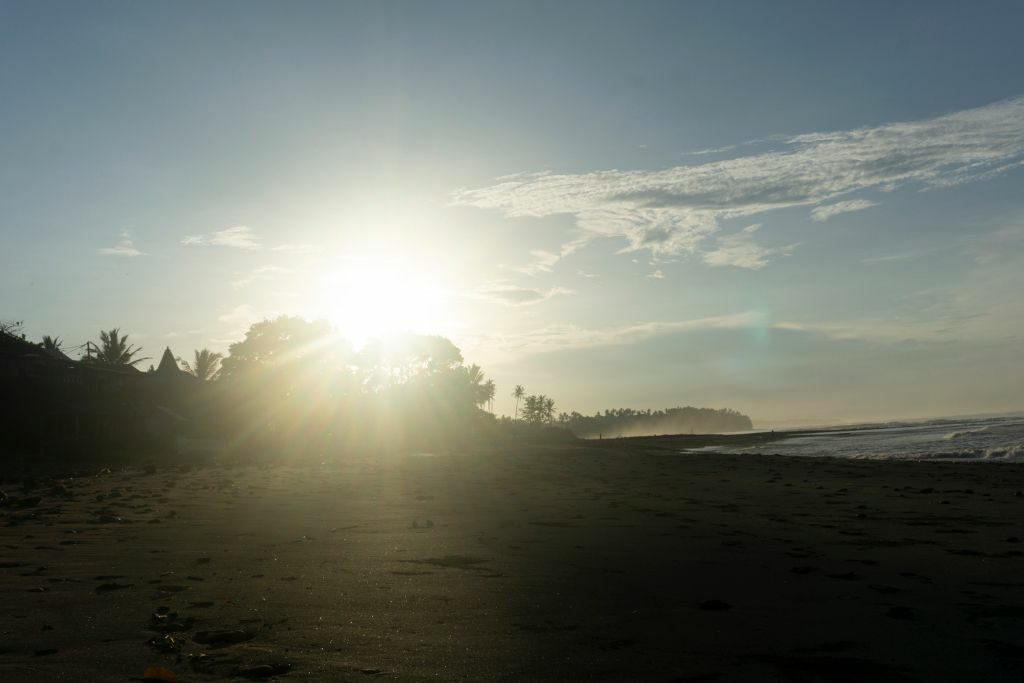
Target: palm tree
(206, 365)
(113, 350)
(475, 374)
(517, 394)
(487, 393)
(482, 390)
(52, 343)
(549, 409)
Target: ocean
(990, 439)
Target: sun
(368, 299)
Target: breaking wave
(1006, 452)
(975, 440)
(952, 436)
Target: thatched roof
(168, 365)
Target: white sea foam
(980, 440)
(1009, 452)
(967, 432)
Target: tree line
(298, 383)
(301, 379)
(630, 422)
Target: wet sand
(613, 560)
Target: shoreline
(680, 442)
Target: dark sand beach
(614, 560)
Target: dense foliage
(628, 422)
(538, 409)
(297, 385)
(300, 381)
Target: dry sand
(608, 560)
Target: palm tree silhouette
(518, 394)
(52, 343)
(549, 409)
(206, 365)
(482, 390)
(475, 374)
(113, 350)
(487, 393)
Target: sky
(811, 212)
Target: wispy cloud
(295, 248)
(175, 334)
(861, 329)
(240, 314)
(123, 248)
(511, 295)
(899, 256)
(562, 337)
(656, 275)
(672, 211)
(544, 261)
(741, 251)
(823, 213)
(875, 330)
(982, 306)
(261, 273)
(239, 237)
(710, 150)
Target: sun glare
(368, 300)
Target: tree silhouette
(281, 343)
(488, 393)
(680, 420)
(518, 394)
(483, 390)
(12, 328)
(52, 343)
(475, 376)
(113, 350)
(539, 409)
(205, 366)
(549, 409)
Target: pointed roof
(167, 363)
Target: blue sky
(807, 211)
